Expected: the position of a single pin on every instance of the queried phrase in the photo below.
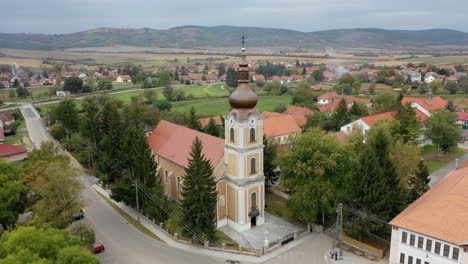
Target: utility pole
(339, 226)
(136, 193)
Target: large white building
(434, 229)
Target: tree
(273, 87)
(303, 84)
(451, 106)
(304, 97)
(162, 105)
(231, 77)
(464, 86)
(73, 85)
(409, 127)
(358, 110)
(84, 232)
(42, 246)
(418, 182)
(22, 92)
(211, 128)
(105, 84)
(452, 87)
(168, 93)
(89, 121)
(13, 194)
(341, 116)
(221, 69)
(60, 195)
(442, 130)
(435, 85)
(199, 193)
(356, 86)
(318, 119)
(163, 78)
(66, 114)
(269, 159)
(386, 102)
(372, 88)
(318, 75)
(193, 121)
(376, 189)
(150, 96)
(315, 168)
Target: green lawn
(434, 161)
(220, 106)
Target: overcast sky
(67, 16)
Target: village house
(433, 229)
(123, 79)
(280, 128)
(237, 160)
(204, 121)
(327, 98)
(12, 153)
(258, 78)
(6, 84)
(2, 135)
(7, 119)
(299, 114)
(462, 119)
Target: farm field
(220, 106)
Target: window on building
(253, 165)
(402, 258)
(446, 250)
(437, 248)
(404, 237)
(455, 253)
(420, 242)
(166, 176)
(252, 135)
(231, 134)
(410, 260)
(429, 245)
(254, 200)
(418, 261)
(179, 184)
(426, 262)
(411, 240)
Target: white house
(433, 230)
(62, 93)
(429, 79)
(327, 98)
(365, 123)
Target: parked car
(231, 262)
(98, 248)
(78, 216)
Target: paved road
(37, 131)
(438, 175)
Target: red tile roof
(280, 125)
(6, 117)
(174, 142)
(442, 212)
(205, 121)
(259, 77)
(299, 114)
(371, 120)
(329, 96)
(8, 149)
(271, 114)
(437, 102)
(462, 116)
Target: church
(237, 161)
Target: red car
(98, 248)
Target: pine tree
(231, 77)
(409, 128)
(376, 188)
(193, 121)
(212, 128)
(269, 156)
(199, 194)
(341, 116)
(418, 182)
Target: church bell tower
(244, 155)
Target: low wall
(364, 247)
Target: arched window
(252, 134)
(253, 166)
(254, 200)
(166, 174)
(179, 184)
(231, 134)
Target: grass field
(445, 59)
(220, 106)
(277, 206)
(434, 161)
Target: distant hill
(229, 36)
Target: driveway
(438, 175)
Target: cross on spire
(243, 41)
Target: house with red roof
(281, 128)
(204, 121)
(124, 79)
(6, 84)
(327, 98)
(366, 123)
(427, 104)
(13, 153)
(299, 114)
(258, 78)
(462, 119)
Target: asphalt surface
(124, 243)
(438, 175)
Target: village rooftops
(442, 212)
(7, 150)
(329, 96)
(371, 120)
(204, 121)
(280, 125)
(174, 142)
(436, 102)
